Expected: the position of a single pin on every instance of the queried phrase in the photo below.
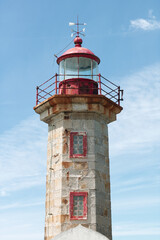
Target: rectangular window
(78, 205)
(78, 144)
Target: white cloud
(145, 24)
(130, 204)
(135, 183)
(132, 229)
(25, 235)
(23, 156)
(21, 205)
(134, 152)
(22, 224)
(137, 129)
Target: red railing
(105, 87)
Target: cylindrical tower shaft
(68, 174)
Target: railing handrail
(109, 81)
(47, 81)
(114, 93)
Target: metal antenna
(77, 27)
(77, 33)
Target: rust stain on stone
(64, 218)
(85, 225)
(67, 176)
(107, 161)
(83, 186)
(89, 106)
(64, 201)
(104, 176)
(105, 141)
(54, 108)
(67, 164)
(65, 148)
(80, 165)
(55, 155)
(107, 185)
(105, 212)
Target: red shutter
(85, 145)
(71, 204)
(85, 205)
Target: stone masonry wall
(89, 174)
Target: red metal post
(99, 81)
(37, 95)
(119, 96)
(56, 83)
(78, 86)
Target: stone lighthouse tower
(78, 104)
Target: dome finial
(78, 41)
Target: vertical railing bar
(99, 83)
(56, 82)
(119, 96)
(37, 95)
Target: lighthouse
(78, 103)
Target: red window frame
(85, 195)
(72, 134)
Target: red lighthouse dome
(78, 50)
(78, 69)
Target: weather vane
(78, 32)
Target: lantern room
(78, 70)
(78, 74)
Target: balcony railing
(105, 87)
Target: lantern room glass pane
(95, 70)
(85, 65)
(61, 71)
(71, 69)
(68, 68)
(78, 67)
(88, 68)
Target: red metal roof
(78, 51)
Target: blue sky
(125, 35)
